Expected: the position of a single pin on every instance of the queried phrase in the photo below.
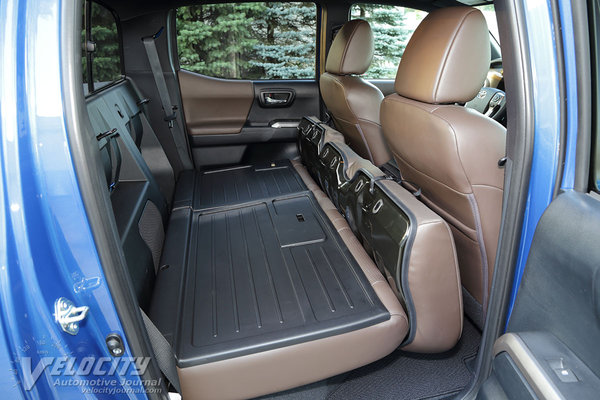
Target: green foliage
(288, 48)
(255, 40)
(106, 59)
(392, 27)
(215, 40)
(248, 40)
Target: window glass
(106, 58)
(489, 12)
(392, 28)
(248, 40)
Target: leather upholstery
(353, 102)
(214, 106)
(448, 151)
(352, 49)
(447, 57)
(433, 277)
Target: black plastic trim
(410, 305)
(584, 94)
(88, 166)
(594, 30)
(562, 93)
(519, 147)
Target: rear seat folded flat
(237, 236)
(306, 362)
(268, 235)
(321, 306)
(412, 246)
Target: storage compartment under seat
(313, 135)
(382, 225)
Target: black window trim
(88, 36)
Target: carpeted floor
(399, 376)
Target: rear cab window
(101, 55)
(392, 28)
(250, 41)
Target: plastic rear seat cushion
(306, 362)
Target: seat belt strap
(170, 113)
(163, 352)
(114, 155)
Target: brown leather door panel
(230, 121)
(214, 106)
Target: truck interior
(330, 234)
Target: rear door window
(248, 40)
(392, 28)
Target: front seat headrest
(352, 49)
(447, 58)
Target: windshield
(490, 17)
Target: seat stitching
(430, 177)
(447, 53)
(482, 251)
(457, 273)
(347, 46)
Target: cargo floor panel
(267, 275)
(238, 185)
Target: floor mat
(412, 376)
(400, 376)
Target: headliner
(133, 8)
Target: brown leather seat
(447, 150)
(353, 102)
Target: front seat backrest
(448, 151)
(353, 102)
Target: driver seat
(450, 152)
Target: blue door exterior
(48, 250)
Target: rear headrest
(352, 49)
(447, 58)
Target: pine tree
(288, 48)
(391, 32)
(248, 40)
(106, 65)
(216, 39)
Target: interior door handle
(271, 98)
